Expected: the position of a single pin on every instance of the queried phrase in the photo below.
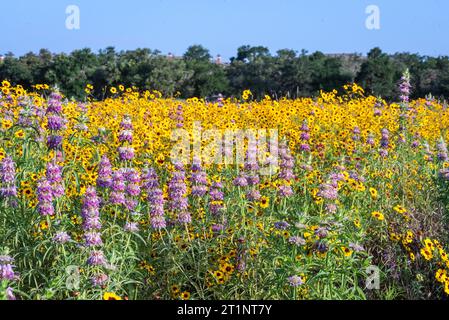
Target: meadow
(92, 207)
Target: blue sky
(331, 26)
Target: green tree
(16, 71)
(207, 78)
(378, 75)
(253, 69)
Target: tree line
(287, 73)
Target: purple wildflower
(241, 180)
(370, 141)
(356, 247)
(54, 142)
(216, 196)
(99, 280)
(10, 294)
(126, 153)
(415, 144)
(282, 225)
(54, 103)
(198, 179)
(377, 112)
(295, 281)
(177, 190)
(253, 195)
(45, 198)
(7, 178)
(118, 186)
(126, 123)
(321, 232)
(286, 174)
(55, 122)
(155, 199)
(285, 191)
(61, 237)
(125, 136)
(383, 153)
(305, 147)
(132, 188)
(104, 179)
(328, 192)
(54, 177)
(6, 268)
(91, 218)
(218, 228)
(305, 136)
(385, 141)
(93, 239)
(297, 241)
(442, 150)
(97, 258)
(305, 126)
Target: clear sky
(331, 26)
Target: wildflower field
(93, 207)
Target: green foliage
(195, 74)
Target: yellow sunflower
(264, 202)
(111, 296)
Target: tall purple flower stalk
(90, 213)
(54, 177)
(305, 137)
(56, 123)
(54, 103)
(442, 150)
(178, 116)
(329, 190)
(384, 143)
(252, 165)
(118, 187)
(177, 190)
(8, 178)
(252, 168)
(216, 206)
(286, 173)
(126, 151)
(155, 199)
(216, 198)
(104, 179)
(45, 198)
(198, 179)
